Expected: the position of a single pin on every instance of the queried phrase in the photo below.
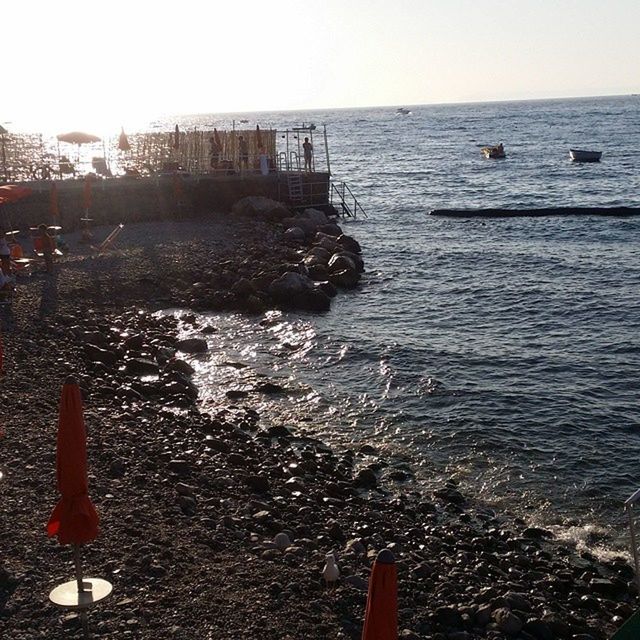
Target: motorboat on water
(403, 111)
(305, 127)
(494, 152)
(579, 155)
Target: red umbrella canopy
(74, 519)
(77, 137)
(13, 193)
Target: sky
(78, 64)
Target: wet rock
(450, 495)
(346, 279)
(96, 354)
(175, 364)
(192, 345)
(235, 394)
(141, 367)
(270, 388)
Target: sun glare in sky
(74, 65)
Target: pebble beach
(216, 524)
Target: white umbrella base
(67, 595)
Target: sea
(501, 353)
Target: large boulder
(347, 278)
(295, 235)
(260, 207)
(340, 262)
(317, 217)
(320, 252)
(288, 285)
(353, 257)
(349, 243)
(298, 291)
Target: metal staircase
(346, 202)
(294, 187)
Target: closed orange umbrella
(381, 617)
(74, 519)
(53, 202)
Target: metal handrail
(343, 191)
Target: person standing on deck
(308, 154)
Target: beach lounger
(109, 241)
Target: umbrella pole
(77, 559)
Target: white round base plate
(67, 594)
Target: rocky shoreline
(215, 525)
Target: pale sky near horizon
(75, 64)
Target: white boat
(578, 155)
(403, 111)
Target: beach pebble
(282, 541)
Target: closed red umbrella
(176, 138)
(74, 519)
(381, 617)
(123, 142)
(53, 202)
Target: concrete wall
(134, 200)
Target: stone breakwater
(216, 525)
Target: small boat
(403, 111)
(578, 155)
(305, 127)
(243, 121)
(493, 152)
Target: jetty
(74, 177)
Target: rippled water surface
(502, 352)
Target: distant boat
(403, 111)
(493, 152)
(244, 121)
(578, 155)
(305, 127)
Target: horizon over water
(501, 352)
